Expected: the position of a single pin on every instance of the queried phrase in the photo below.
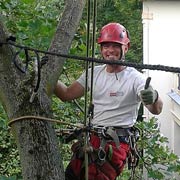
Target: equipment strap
(112, 133)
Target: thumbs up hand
(148, 95)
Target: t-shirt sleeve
(82, 79)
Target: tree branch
(62, 42)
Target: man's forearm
(155, 108)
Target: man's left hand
(148, 96)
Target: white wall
(161, 33)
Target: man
(117, 94)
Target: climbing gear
(104, 151)
(88, 116)
(114, 32)
(134, 153)
(41, 118)
(101, 61)
(108, 150)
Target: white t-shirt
(115, 96)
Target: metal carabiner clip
(103, 131)
(101, 154)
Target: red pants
(97, 170)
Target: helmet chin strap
(122, 57)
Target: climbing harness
(107, 150)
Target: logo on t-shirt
(117, 93)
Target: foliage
(10, 178)
(31, 22)
(158, 161)
(9, 158)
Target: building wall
(161, 37)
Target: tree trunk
(36, 139)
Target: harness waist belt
(119, 131)
(122, 131)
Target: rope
(86, 139)
(43, 119)
(102, 61)
(91, 105)
(38, 72)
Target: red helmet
(114, 32)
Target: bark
(36, 139)
(62, 41)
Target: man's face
(111, 51)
